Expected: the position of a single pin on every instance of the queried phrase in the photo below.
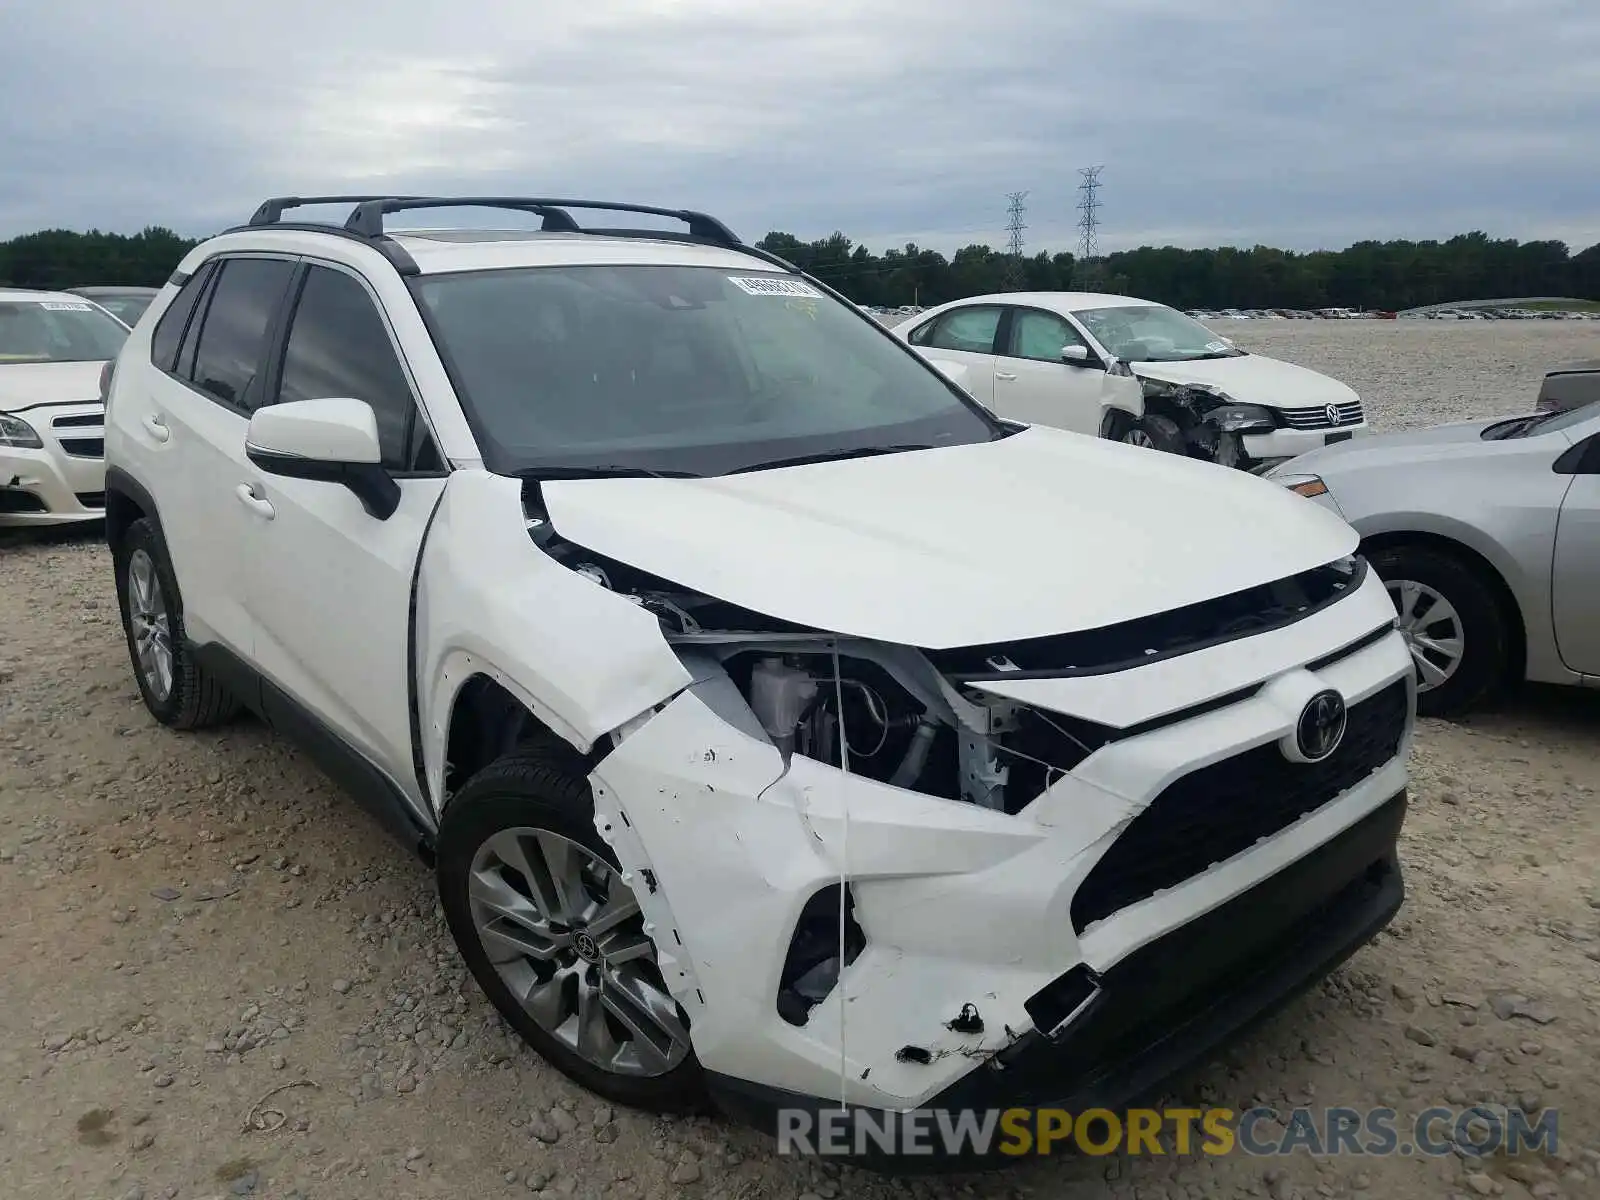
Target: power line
(1089, 224)
(1015, 207)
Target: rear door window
(233, 332)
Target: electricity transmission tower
(1015, 207)
(1089, 226)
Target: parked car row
(1504, 314)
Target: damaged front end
(1212, 424)
(858, 860)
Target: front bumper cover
(1171, 1004)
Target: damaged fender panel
(960, 905)
(583, 659)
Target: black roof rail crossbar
(388, 247)
(368, 216)
(271, 210)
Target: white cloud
(1262, 121)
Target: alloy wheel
(567, 938)
(1432, 631)
(150, 625)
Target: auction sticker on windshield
(1216, 347)
(62, 306)
(762, 286)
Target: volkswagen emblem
(1332, 413)
(586, 948)
(1319, 730)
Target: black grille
(13, 501)
(84, 447)
(92, 499)
(79, 421)
(1210, 815)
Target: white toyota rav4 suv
(783, 727)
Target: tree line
(1369, 275)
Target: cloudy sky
(1286, 122)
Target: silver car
(1488, 536)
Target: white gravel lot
(195, 920)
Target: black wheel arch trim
(120, 483)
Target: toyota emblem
(1332, 413)
(1320, 729)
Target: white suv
(782, 725)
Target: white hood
(1254, 379)
(1040, 533)
(24, 385)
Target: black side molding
(369, 786)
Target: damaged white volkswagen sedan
(785, 729)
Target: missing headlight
(811, 968)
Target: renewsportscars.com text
(1264, 1132)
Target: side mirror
(332, 441)
(1074, 355)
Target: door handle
(1007, 375)
(157, 428)
(247, 497)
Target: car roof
(445, 251)
(440, 251)
(113, 289)
(32, 296)
(1060, 301)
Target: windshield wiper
(801, 460)
(1516, 427)
(609, 471)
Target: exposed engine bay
(1209, 424)
(915, 719)
(884, 712)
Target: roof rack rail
(366, 220)
(271, 210)
(368, 216)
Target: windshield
(1153, 333)
(41, 331)
(127, 309)
(679, 370)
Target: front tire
(536, 903)
(1155, 432)
(1453, 623)
(176, 689)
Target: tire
(1155, 432)
(1414, 574)
(549, 804)
(184, 695)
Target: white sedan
(53, 349)
(1136, 372)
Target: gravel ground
(197, 921)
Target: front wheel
(536, 903)
(1155, 432)
(1452, 623)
